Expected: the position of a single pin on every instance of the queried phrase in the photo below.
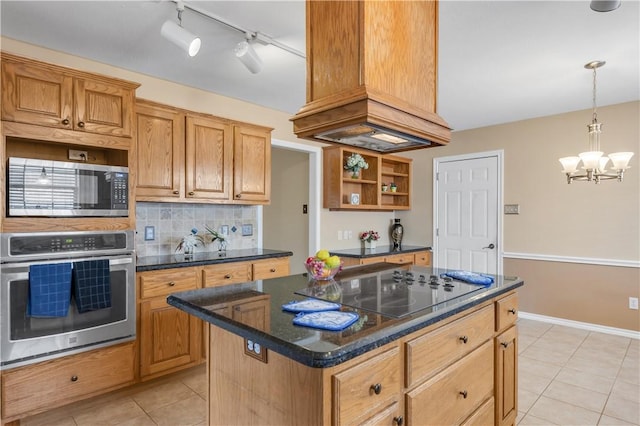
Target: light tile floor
(567, 376)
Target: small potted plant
(385, 187)
(216, 236)
(355, 163)
(189, 243)
(393, 187)
(370, 239)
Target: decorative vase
(397, 230)
(355, 174)
(370, 244)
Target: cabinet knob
(512, 311)
(227, 276)
(65, 121)
(504, 344)
(272, 269)
(377, 388)
(463, 393)
(176, 192)
(81, 124)
(238, 195)
(172, 283)
(191, 193)
(74, 378)
(398, 420)
(464, 339)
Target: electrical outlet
(255, 350)
(74, 154)
(633, 303)
(512, 209)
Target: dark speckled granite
(318, 348)
(152, 263)
(362, 253)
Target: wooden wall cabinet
(343, 192)
(47, 95)
(40, 387)
(170, 339)
(189, 157)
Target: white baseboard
(582, 325)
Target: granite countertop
(152, 263)
(319, 348)
(362, 253)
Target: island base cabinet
(50, 384)
(507, 377)
(452, 395)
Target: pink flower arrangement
(369, 236)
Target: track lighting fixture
(178, 35)
(248, 56)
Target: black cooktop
(395, 293)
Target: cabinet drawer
(226, 273)
(433, 351)
(53, 383)
(387, 416)
(367, 387)
(165, 282)
(483, 416)
(399, 258)
(422, 259)
(271, 268)
(452, 395)
(506, 312)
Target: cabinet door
(160, 146)
(102, 107)
(170, 339)
(209, 158)
(36, 95)
(507, 377)
(422, 258)
(254, 313)
(252, 165)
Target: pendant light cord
(595, 112)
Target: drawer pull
(65, 121)
(272, 269)
(504, 344)
(176, 192)
(191, 193)
(81, 124)
(377, 388)
(464, 339)
(74, 378)
(463, 393)
(172, 283)
(399, 421)
(512, 311)
(227, 276)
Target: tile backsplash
(172, 221)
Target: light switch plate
(512, 209)
(247, 230)
(149, 233)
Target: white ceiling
(499, 61)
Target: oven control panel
(47, 243)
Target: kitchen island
(452, 362)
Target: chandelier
(594, 162)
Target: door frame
(315, 190)
(500, 180)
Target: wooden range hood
(372, 75)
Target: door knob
(490, 246)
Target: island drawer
(485, 415)
(165, 282)
(431, 352)
(53, 383)
(271, 268)
(367, 387)
(506, 311)
(400, 259)
(422, 258)
(226, 273)
(453, 394)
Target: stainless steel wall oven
(26, 338)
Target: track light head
(605, 5)
(248, 56)
(181, 37)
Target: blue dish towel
(91, 284)
(49, 290)
(470, 277)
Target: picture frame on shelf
(355, 199)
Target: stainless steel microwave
(64, 189)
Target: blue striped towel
(470, 277)
(92, 286)
(49, 290)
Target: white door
(467, 224)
